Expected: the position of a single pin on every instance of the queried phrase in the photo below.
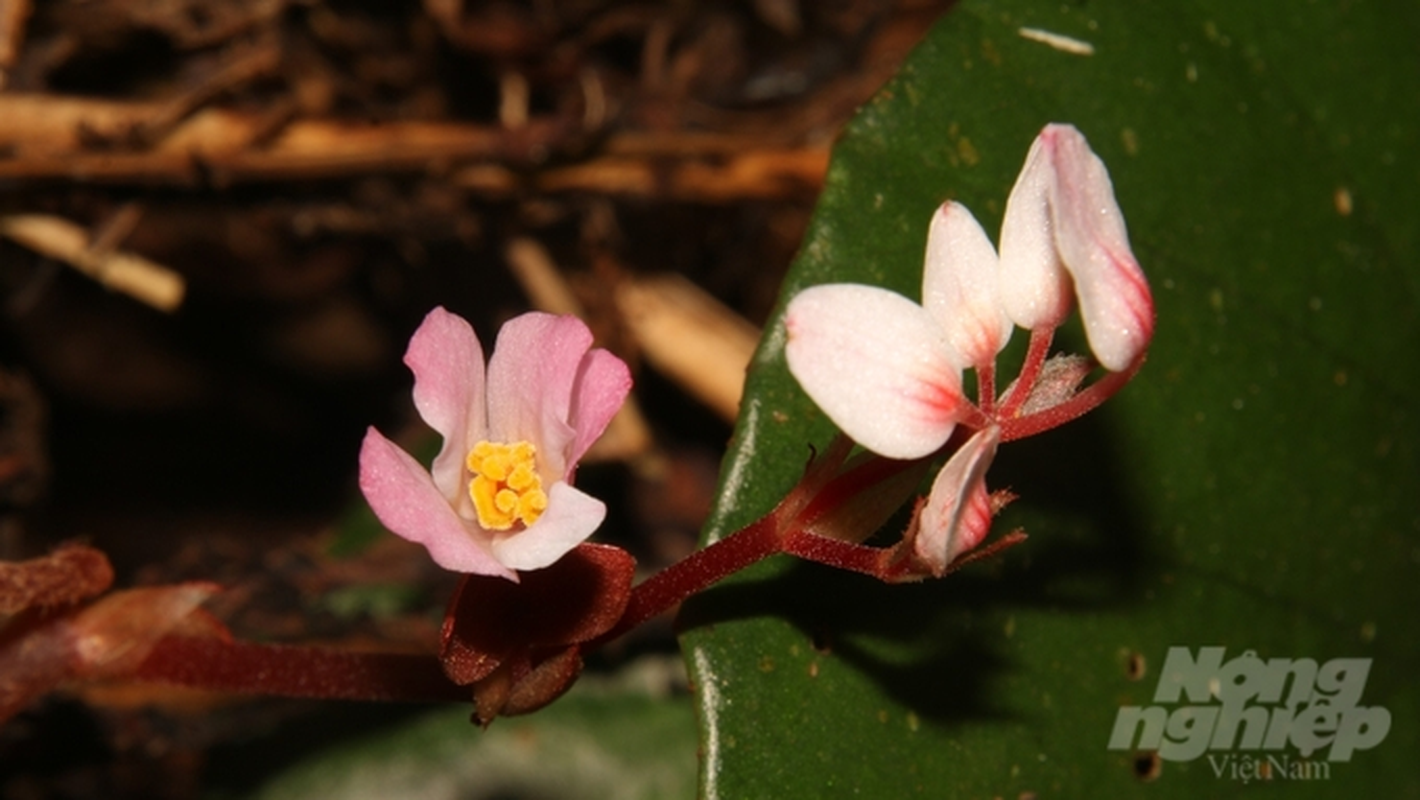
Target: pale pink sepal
(1035, 288)
(1115, 302)
(405, 499)
(1062, 222)
(957, 514)
(960, 286)
(877, 364)
(571, 516)
(447, 361)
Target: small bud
(1062, 222)
(957, 513)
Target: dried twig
(242, 66)
(691, 337)
(129, 273)
(71, 573)
(13, 14)
(49, 139)
(47, 136)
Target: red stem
(986, 388)
(289, 671)
(697, 571)
(1036, 352)
(836, 553)
(1082, 403)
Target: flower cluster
(498, 503)
(888, 371)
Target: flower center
(505, 488)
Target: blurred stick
(120, 271)
(71, 573)
(240, 67)
(54, 138)
(691, 337)
(50, 139)
(13, 14)
(753, 174)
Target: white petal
(877, 364)
(957, 515)
(1035, 289)
(1115, 302)
(570, 518)
(960, 286)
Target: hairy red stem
(1036, 352)
(697, 571)
(836, 553)
(986, 388)
(1087, 400)
(290, 671)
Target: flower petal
(531, 374)
(571, 517)
(602, 385)
(960, 286)
(1035, 289)
(447, 361)
(877, 364)
(1115, 302)
(957, 515)
(406, 500)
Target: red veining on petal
(1134, 286)
(1140, 300)
(940, 403)
(973, 524)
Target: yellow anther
(506, 488)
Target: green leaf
(1248, 490)
(605, 738)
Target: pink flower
(888, 371)
(498, 498)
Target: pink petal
(602, 385)
(1035, 289)
(570, 518)
(1115, 302)
(957, 515)
(405, 499)
(447, 362)
(531, 374)
(877, 364)
(960, 286)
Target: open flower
(888, 371)
(499, 497)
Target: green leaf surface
(1252, 489)
(621, 737)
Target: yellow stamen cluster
(505, 488)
